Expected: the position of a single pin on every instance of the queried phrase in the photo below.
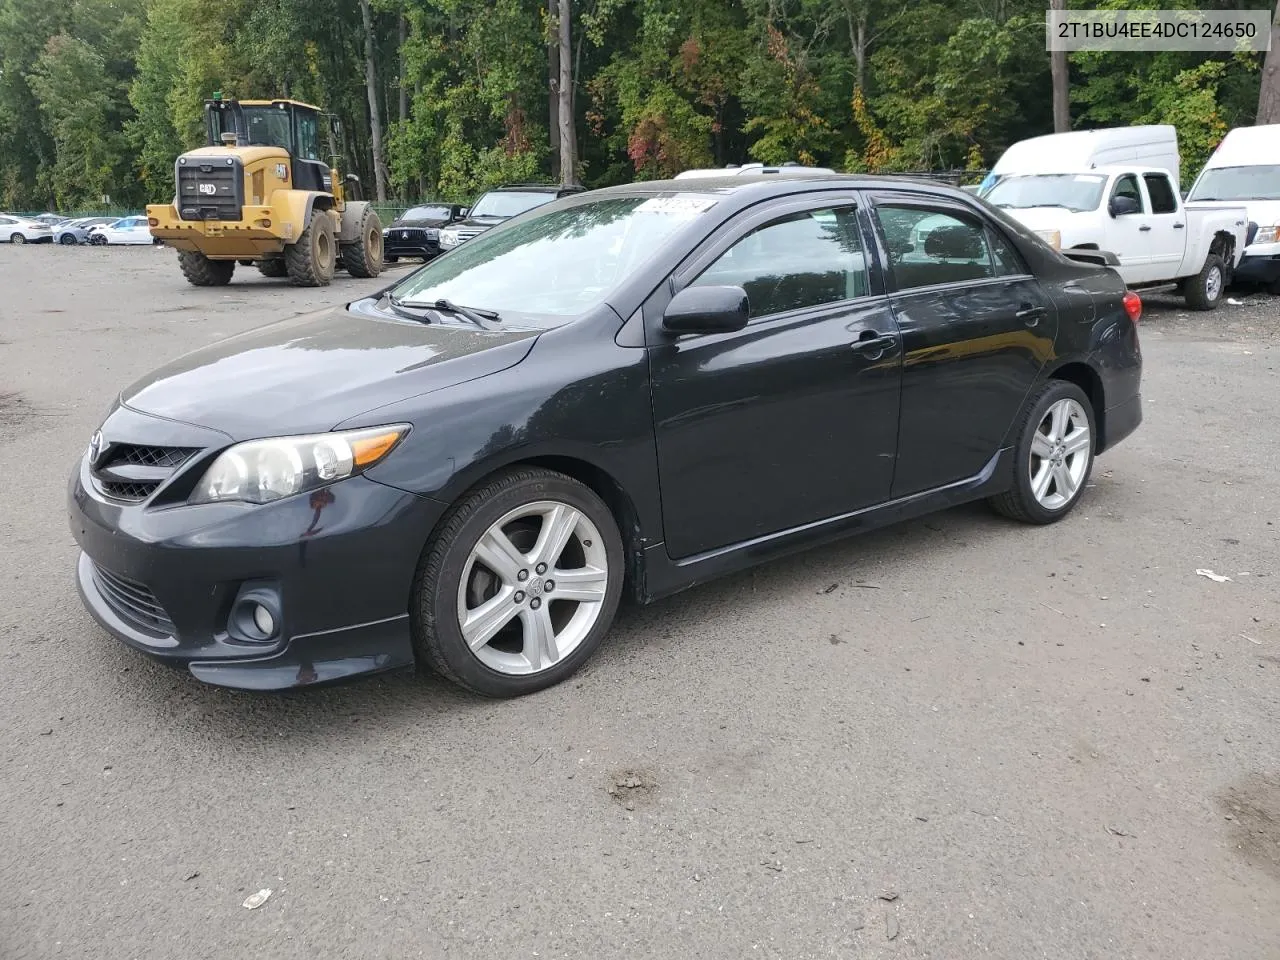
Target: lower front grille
(134, 602)
(127, 491)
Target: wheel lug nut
(519, 597)
(548, 586)
(541, 569)
(535, 603)
(522, 576)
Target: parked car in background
(498, 205)
(1154, 145)
(124, 230)
(628, 392)
(77, 231)
(52, 219)
(1245, 169)
(416, 232)
(15, 229)
(1136, 214)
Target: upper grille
(466, 233)
(133, 601)
(210, 191)
(132, 472)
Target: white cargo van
(1154, 146)
(1245, 171)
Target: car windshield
(1238, 183)
(509, 203)
(426, 213)
(557, 263)
(1075, 191)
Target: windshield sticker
(686, 205)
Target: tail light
(1133, 305)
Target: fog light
(263, 620)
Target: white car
(21, 230)
(124, 230)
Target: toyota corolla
(620, 394)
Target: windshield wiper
(485, 319)
(401, 309)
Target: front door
(789, 420)
(1129, 235)
(976, 331)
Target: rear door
(793, 419)
(977, 329)
(1167, 238)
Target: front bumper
(1260, 264)
(397, 246)
(165, 578)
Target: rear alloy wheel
(200, 271)
(1053, 457)
(520, 586)
(17, 238)
(1204, 291)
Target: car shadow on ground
(320, 714)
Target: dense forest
(440, 98)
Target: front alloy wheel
(519, 585)
(532, 588)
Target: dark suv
(416, 232)
(499, 204)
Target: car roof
(535, 188)
(763, 186)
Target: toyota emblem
(95, 446)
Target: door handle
(874, 344)
(1145, 228)
(1030, 314)
(1178, 226)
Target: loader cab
(288, 124)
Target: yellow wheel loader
(259, 194)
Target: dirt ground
(954, 738)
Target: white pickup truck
(1136, 214)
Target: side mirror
(707, 310)
(463, 212)
(1123, 206)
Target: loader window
(308, 137)
(267, 127)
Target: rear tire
(17, 238)
(273, 268)
(364, 257)
(200, 271)
(1205, 290)
(1053, 457)
(536, 632)
(97, 240)
(310, 262)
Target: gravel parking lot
(955, 738)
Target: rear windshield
(1238, 183)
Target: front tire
(364, 257)
(67, 240)
(1053, 456)
(200, 271)
(520, 584)
(1205, 290)
(97, 240)
(311, 261)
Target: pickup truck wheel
(1204, 291)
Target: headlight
(1267, 234)
(448, 238)
(260, 471)
(433, 234)
(1052, 237)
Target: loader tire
(273, 268)
(364, 257)
(200, 271)
(310, 262)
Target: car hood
(430, 222)
(1265, 213)
(310, 373)
(480, 222)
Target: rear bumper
(226, 239)
(1121, 420)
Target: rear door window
(1160, 190)
(928, 246)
